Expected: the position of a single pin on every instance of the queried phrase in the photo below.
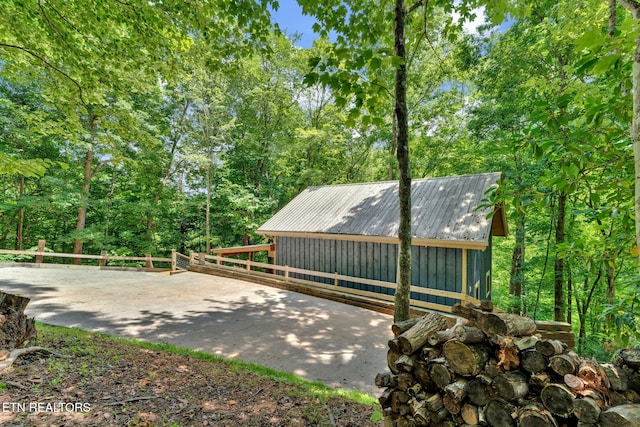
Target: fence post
(286, 273)
(41, 245)
(174, 260)
(103, 260)
(148, 262)
(201, 260)
(335, 279)
(192, 257)
(249, 265)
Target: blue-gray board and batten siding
(432, 267)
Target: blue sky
(291, 20)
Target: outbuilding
(352, 230)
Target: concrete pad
(320, 340)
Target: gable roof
(446, 212)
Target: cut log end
(15, 327)
(465, 359)
(621, 416)
(558, 399)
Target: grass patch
(129, 382)
(313, 388)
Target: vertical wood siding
(478, 265)
(433, 267)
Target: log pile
(15, 326)
(493, 369)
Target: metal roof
(444, 210)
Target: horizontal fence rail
(40, 254)
(84, 256)
(180, 262)
(271, 270)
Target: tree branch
(133, 399)
(60, 15)
(13, 356)
(46, 18)
(632, 6)
(415, 6)
(53, 67)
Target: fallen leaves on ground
(103, 382)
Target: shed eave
(416, 241)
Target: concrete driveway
(320, 340)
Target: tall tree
(633, 7)
(402, 309)
(78, 44)
(352, 67)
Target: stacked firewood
(491, 368)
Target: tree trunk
(15, 327)
(20, 227)
(404, 186)
(635, 128)
(393, 149)
(516, 281)
(112, 191)
(558, 277)
(156, 199)
(569, 293)
(207, 214)
(82, 211)
(613, 18)
(633, 6)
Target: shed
(352, 230)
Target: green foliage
(29, 168)
(205, 110)
(623, 314)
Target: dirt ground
(102, 382)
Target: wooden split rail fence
(177, 261)
(333, 282)
(330, 281)
(294, 278)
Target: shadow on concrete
(319, 340)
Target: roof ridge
(412, 180)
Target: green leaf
(375, 63)
(311, 79)
(592, 40)
(314, 61)
(605, 63)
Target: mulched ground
(102, 382)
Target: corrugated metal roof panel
(443, 209)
